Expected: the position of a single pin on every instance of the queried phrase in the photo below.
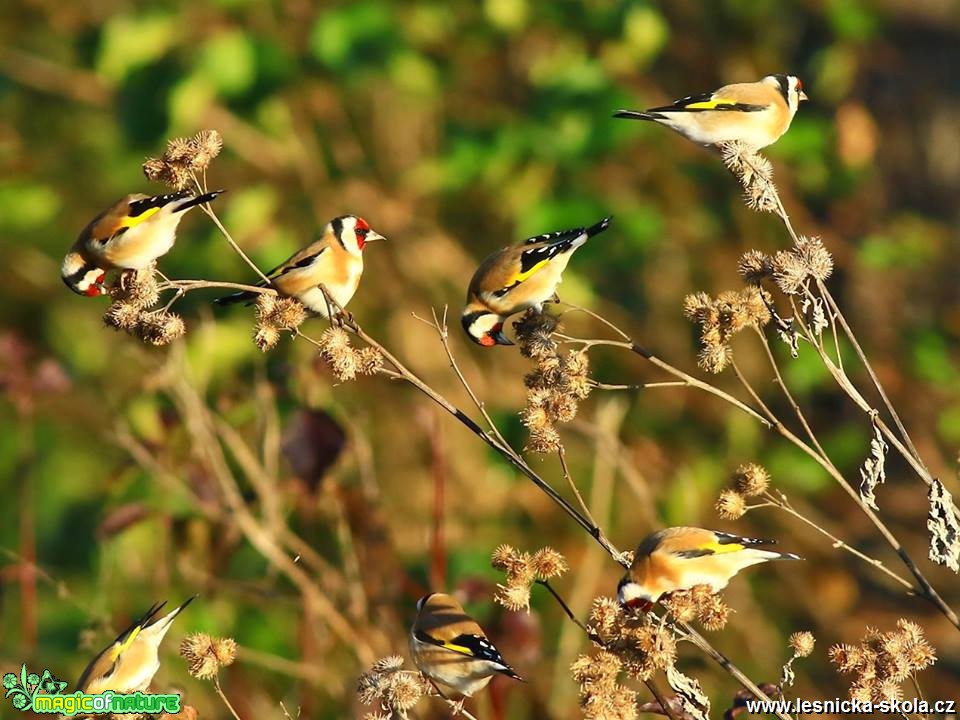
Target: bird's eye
(362, 231)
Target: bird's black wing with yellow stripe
(474, 646)
(704, 102)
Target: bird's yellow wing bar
(129, 222)
(710, 104)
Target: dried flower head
(698, 602)
(159, 327)
(789, 272)
(601, 697)
(883, 660)
(606, 617)
(513, 597)
(731, 505)
(534, 332)
(266, 337)
(543, 440)
(754, 172)
(751, 479)
(288, 313)
(137, 287)
(714, 358)
(205, 655)
(340, 356)
(369, 361)
(754, 267)
(397, 690)
(206, 145)
(122, 316)
(802, 643)
(722, 318)
(547, 563)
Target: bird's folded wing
(708, 101)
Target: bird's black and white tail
(244, 296)
(638, 115)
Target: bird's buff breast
(141, 245)
(462, 674)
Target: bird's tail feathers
(639, 115)
(599, 227)
(237, 297)
(770, 554)
(198, 200)
(509, 672)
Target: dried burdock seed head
(179, 151)
(513, 597)
(606, 617)
(751, 479)
(206, 146)
(159, 327)
(754, 267)
(534, 418)
(154, 169)
(754, 172)
(756, 304)
(815, 257)
(548, 563)
(504, 557)
(802, 643)
(137, 287)
(206, 655)
(731, 505)
(535, 327)
(714, 359)
(369, 361)
(340, 356)
(288, 313)
(544, 440)
(698, 307)
(562, 408)
(713, 613)
(397, 690)
(266, 337)
(122, 316)
(789, 272)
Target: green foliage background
(455, 128)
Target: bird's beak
(499, 337)
(373, 235)
(801, 96)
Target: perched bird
(334, 261)
(679, 558)
(519, 277)
(129, 663)
(756, 114)
(130, 235)
(451, 649)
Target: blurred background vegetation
(455, 128)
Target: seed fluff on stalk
(396, 689)
(555, 386)
(882, 661)
(722, 318)
(523, 569)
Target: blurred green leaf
(130, 42)
(25, 205)
(228, 61)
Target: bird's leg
(335, 312)
(456, 706)
(555, 299)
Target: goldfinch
(129, 663)
(679, 558)
(130, 235)
(756, 114)
(452, 650)
(519, 277)
(334, 261)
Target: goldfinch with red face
(130, 235)
(452, 650)
(129, 663)
(756, 114)
(335, 261)
(679, 558)
(519, 277)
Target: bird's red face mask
(495, 336)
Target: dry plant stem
(400, 371)
(216, 685)
(562, 454)
(840, 376)
(686, 380)
(925, 590)
(783, 504)
(259, 536)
